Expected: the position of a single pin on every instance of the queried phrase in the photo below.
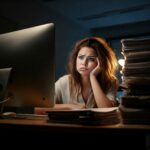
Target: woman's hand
(97, 69)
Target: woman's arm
(69, 106)
(43, 111)
(100, 97)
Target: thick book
(135, 44)
(136, 71)
(137, 91)
(139, 54)
(93, 116)
(134, 115)
(141, 102)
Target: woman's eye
(81, 57)
(91, 59)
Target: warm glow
(121, 62)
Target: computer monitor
(30, 54)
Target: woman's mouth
(83, 69)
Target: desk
(37, 130)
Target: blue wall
(112, 25)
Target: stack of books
(93, 116)
(135, 102)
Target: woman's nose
(84, 61)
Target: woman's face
(86, 61)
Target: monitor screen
(30, 54)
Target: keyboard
(23, 116)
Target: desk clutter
(135, 103)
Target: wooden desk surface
(37, 130)
(44, 125)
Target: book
(135, 44)
(132, 54)
(93, 116)
(134, 115)
(142, 102)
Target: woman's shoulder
(63, 79)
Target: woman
(91, 81)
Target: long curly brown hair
(107, 59)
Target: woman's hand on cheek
(97, 69)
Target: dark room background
(111, 19)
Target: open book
(93, 116)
